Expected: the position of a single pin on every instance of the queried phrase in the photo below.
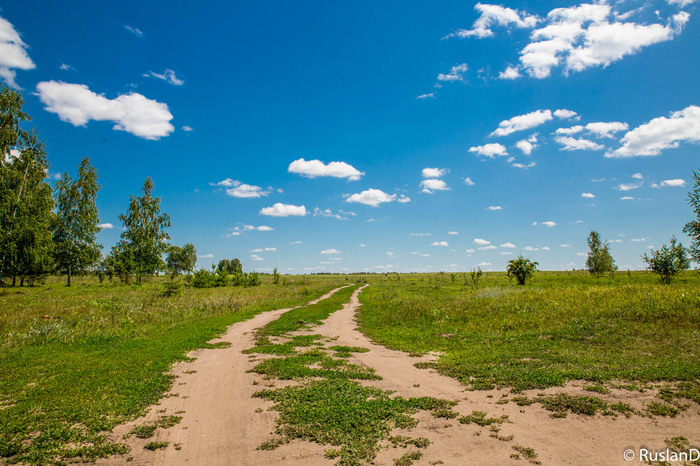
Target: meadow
(77, 361)
(560, 326)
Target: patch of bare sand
(222, 424)
(573, 440)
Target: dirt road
(223, 424)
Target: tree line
(54, 230)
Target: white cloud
(673, 183)
(481, 242)
(456, 73)
(661, 133)
(484, 264)
(564, 114)
(316, 168)
(264, 250)
(495, 15)
(590, 35)
(569, 131)
(570, 143)
(490, 150)
(523, 166)
(283, 210)
(606, 130)
(508, 245)
(525, 146)
(133, 113)
(494, 207)
(330, 251)
(135, 31)
(433, 184)
(530, 248)
(470, 251)
(433, 172)
(426, 96)
(339, 214)
(510, 72)
(12, 53)
(168, 76)
(627, 187)
(638, 176)
(487, 248)
(66, 67)
(522, 122)
(420, 234)
(300, 242)
(264, 228)
(440, 243)
(565, 245)
(452, 232)
(626, 198)
(206, 256)
(374, 197)
(468, 181)
(255, 257)
(545, 248)
(588, 195)
(549, 224)
(105, 226)
(235, 188)
(187, 128)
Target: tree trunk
(14, 280)
(69, 275)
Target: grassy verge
(102, 356)
(561, 327)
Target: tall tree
(26, 204)
(692, 228)
(75, 232)
(668, 261)
(181, 259)
(189, 257)
(599, 260)
(144, 240)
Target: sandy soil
(221, 426)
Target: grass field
(560, 326)
(77, 361)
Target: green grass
(102, 355)
(344, 414)
(559, 327)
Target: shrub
(668, 261)
(521, 269)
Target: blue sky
(298, 135)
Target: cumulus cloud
(433, 184)
(510, 73)
(490, 150)
(330, 251)
(206, 256)
(626, 198)
(526, 146)
(564, 114)
(238, 230)
(440, 243)
(549, 224)
(316, 168)
(569, 143)
(235, 188)
(433, 172)
(496, 15)
(508, 245)
(524, 166)
(452, 232)
(456, 73)
(494, 207)
(168, 76)
(187, 128)
(591, 35)
(255, 257)
(481, 242)
(284, 210)
(677, 183)
(13, 54)
(523, 122)
(264, 228)
(105, 226)
(627, 186)
(661, 133)
(588, 195)
(484, 264)
(487, 248)
(468, 181)
(569, 131)
(606, 130)
(264, 250)
(133, 113)
(375, 197)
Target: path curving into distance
(223, 424)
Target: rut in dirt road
(213, 394)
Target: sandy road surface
(221, 426)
